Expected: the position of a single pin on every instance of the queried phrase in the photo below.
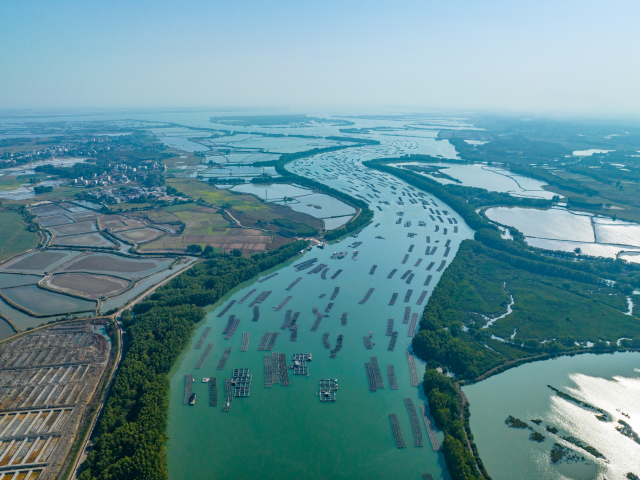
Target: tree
(194, 248)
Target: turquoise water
(610, 382)
(286, 432)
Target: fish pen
(287, 320)
(268, 372)
(407, 314)
(233, 328)
(260, 298)
(323, 275)
(448, 243)
(300, 363)
(232, 319)
(411, 248)
(373, 270)
(412, 369)
(406, 257)
(407, 296)
(272, 341)
(410, 278)
(226, 309)
(316, 324)
(317, 269)
(376, 372)
(322, 295)
(371, 377)
(245, 342)
(284, 373)
(335, 293)
(329, 307)
(418, 262)
(204, 356)
(405, 274)
(366, 297)
(343, 318)
(393, 272)
(415, 422)
(247, 296)
(445, 231)
(228, 395)
(430, 266)
(431, 432)
(455, 229)
(394, 297)
(256, 313)
(275, 367)
(428, 239)
(203, 337)
(392, 342)
(338, 346)
(188, 388)
(294, 332)
(421, 297)
(267, 278)
(446, 251)
(213, 392)
(428, 280)
(439, 269)
(335, 275)
(293, 284)
(225, 356)
(412, 325)
(389, 327)
(327, 389)
(397, 433)
(391, 373)
(282, 304)
(304, 265)
(325, 340)
(368, 344)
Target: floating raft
(213, 392)
(322, 295)
(204, 356)
(405, 274)
(316, 324)
(367, 342)
(256, 313)
(407, 296)
(412, 369)
(431, 432)
(226, 309)
(327, 390)
(294, 333)
(203, 337)
(448, 243)
(371, 377)
(428, 280)
(188, 388)
(304, 265)
(317, 269)
(284, 373)
(228, 395)
(293, 284)
(392, 342)
(393, 272)
(415, 422)
(325, 340)
(421, 298)
(282, 304)
(267, 278)
(247, 295)
(373, 270)
(232, 330)
(260, 298)
(335, 293)
(430, 266)
(397, 433)
(225, 356)
(412, 325)
(366, 297)
(333, 277)
(409, 278)
(338, 346)
(232, 319)
(287, 320)
(411, 248)
(245, 342)
(442, 265)
(455, 229)
(343, 318)
(376, 372)
(323, 275)
(268, 372)
(406, 257)
(407, 314)
(272, 341)
(389, 327)
(329, 307)
(391, 373)
(428, 239)
(394, 297)
(418, 262)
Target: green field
(14, 237)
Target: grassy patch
(14, 237)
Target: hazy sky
(580, 56)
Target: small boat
(192, 399)
(205, 380)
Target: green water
(610, 382)
(286, 432)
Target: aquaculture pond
(608, 386)
(286, 432)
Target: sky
(547, 56)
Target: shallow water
(610, 382)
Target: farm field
(14, 237)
